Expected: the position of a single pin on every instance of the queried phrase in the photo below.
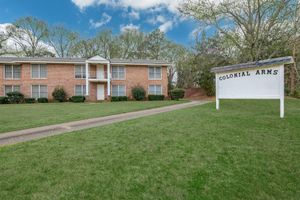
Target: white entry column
(86, 78)
(108, 79)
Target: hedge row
(77, 99)
(120, 98)
(156, 97)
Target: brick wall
(64, 75)
(138, 75)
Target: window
(80, 90)
(118, 90)
(154, 73)
(39, 91)
(11, 88)
(80, 71)
(155, 89)
(118, 72)
(38, 71)
(12, 71)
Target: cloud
(171, 5)
(156, 20)
(134, 15)
(166, 26)
(130, 26)
(104, 20)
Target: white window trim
(154, 73)
(118, 72)
(118, 89)
(12, 72)
(39, 67)
(12, 88)
(161, 89)
(40, 91)
(82, 68)
(82, 86)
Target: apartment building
(96, 78)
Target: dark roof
(255, 64)
(139, 61)
(79, 60)
(40, 59)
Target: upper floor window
(154, 73)
(11, 88)
(39, 91)
(12, 71)
(80, 71)
(155, 89)
(118, 90)
(118, 72)
(80, 90)
(38, 71)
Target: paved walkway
(45, 131)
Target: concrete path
(45, 131)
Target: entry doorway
(100, 92)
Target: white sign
(255, 83)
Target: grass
(243, 151)
(22, 116)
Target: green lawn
(22, 116)
(243, 151)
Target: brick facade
(61, 74)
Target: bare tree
(62, 40)
(258, 28)
(29, 34)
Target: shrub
(120, 98)
(15, 97)
(77, 99)
(3, 100)
(59, 94)
(297, 93)
(29, 100)
(206, 81)
(177, 93)
(42, 100)
(156, 97)
(138, 93)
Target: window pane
(16, 88)
(43, 71)
(8, 71)
(43, 91)
(122, 90)
(114, 75)
(78, 90)
(151, 73)
(115, 90)
(16, 71)
(35, 91)
(158, 73)
(158, 90)
(35, 71)
(121, 72)
(84, 90)
(7, 89)
(78, 72)
(151, 89)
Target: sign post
(255, 80)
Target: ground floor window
(80, 90)
(118, 90)
(11, 88)
(155, 89)
(39, 91)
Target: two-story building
(96, 78)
